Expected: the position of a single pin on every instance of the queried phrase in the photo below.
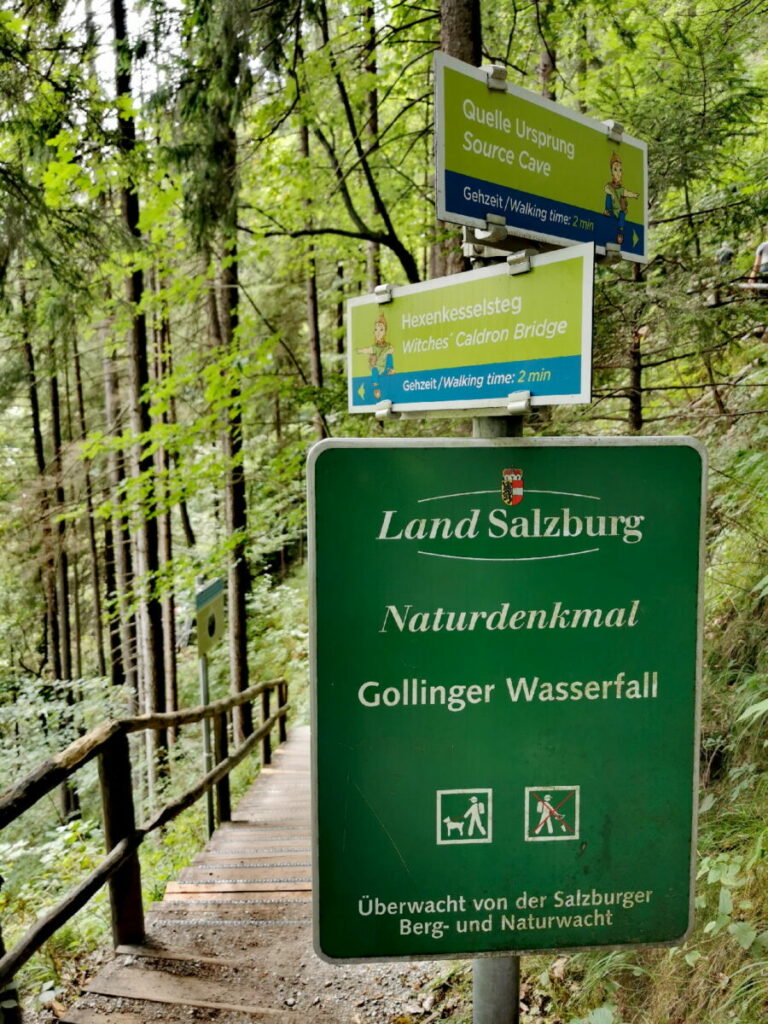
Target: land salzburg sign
(549, 173)
(505, 668)
(470, 340)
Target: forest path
(231, 941)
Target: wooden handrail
(51, 773)
(187, 716)
(123, 853)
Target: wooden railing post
(282, 698)
(266, 743)
(10, 1011)
(120, 823)
(220, 752)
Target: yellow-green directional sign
(471, 340)
(548, 172)
(505, 662)
(211, 617)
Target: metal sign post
(496, 980)
(505, 662)
(211, 623)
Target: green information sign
(506, 652)
(471, 340)
(211, 618)
(548, 172)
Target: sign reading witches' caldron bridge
(505, 671)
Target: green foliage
(39, 870)
(294, 143)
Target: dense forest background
(189, 191)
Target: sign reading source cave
(505, 669)
(547, 172)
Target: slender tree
(146, 525)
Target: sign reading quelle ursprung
(551, 173)
(505, 652)
(472, 339)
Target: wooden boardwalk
(230, 942)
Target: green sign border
(516, 444)
(572, 189)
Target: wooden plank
(189, 887)
(274, 909)
(109, 1014)
(277, 842)
(258, 836)
(266, 826)
(254, 873)
(161, 953)
(256, 859)
(82, 1013)
(179, 990)
(232, 897)
(232, 852)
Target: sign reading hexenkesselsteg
(505, 672)
(470, 340)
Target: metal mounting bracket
(518, 402)
(495, 229)
(495, 76)
(475, 250)
(520, 262)
(383, 410)
(612, 252)
(383, 293)
(615, 131)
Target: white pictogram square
(552, 813)
(464, 816)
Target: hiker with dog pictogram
(464, 816)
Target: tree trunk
(68, 797)
(146, 525)
(340, 345)
(461, 31)
(163, 369)
(547, 65)
(48, 567)
(239, 576)
(62, 557)
(373, 249)
(634, 392)
(114, 624)
(93, 553)
(313, 319)
(121, 568)
(460, 37)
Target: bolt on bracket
(518, 402)
(383, 410)
(520, 262)
(495, 76)
(495, 229)
(614, 130)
